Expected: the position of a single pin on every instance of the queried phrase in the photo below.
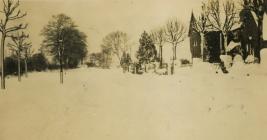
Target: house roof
(192, 24)
(232, 45)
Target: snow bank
(238, 66)
(264, 58)
(202, 67)
(227, 60)
(250, 59)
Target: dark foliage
(11, 66)
(185, 61)
(62, 28)
(125, 59)
(38, 62)
(147, 51)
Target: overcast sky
(99, 17)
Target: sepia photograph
(133, 69)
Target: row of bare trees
(10, 13)
(174, 33)
(21, 49)
(117, 43)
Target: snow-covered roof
(232, 45)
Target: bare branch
(221, 18)
(116, 42)
(19, 43)
(18, 16)
(175, 32)
(158, 36)
(15, 28)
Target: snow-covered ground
(94, 104)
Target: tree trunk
(221, 44)
(18, 57)
(61, 69)
(174, 55)
(105, 60)
(225, 43)
(81, 61)
(202, 45)
(158, 54)
(175, 52)
(161, 56)
(26, 67)
(260, 40)
(2, 57)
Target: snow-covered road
(109, 105)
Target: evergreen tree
(147, 52)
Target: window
(195, 43)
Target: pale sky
(97, 18)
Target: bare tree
(175, 34)
(17, 47)
(201, 27)
(10, 13)
(117, 42)
(27, 53)
(222, 17)
(159, 38)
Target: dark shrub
(90, 64)
(73, 63)
(38, 62)
(10, 66)
(185, 61)
(53, 66)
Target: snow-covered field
(95, 104)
